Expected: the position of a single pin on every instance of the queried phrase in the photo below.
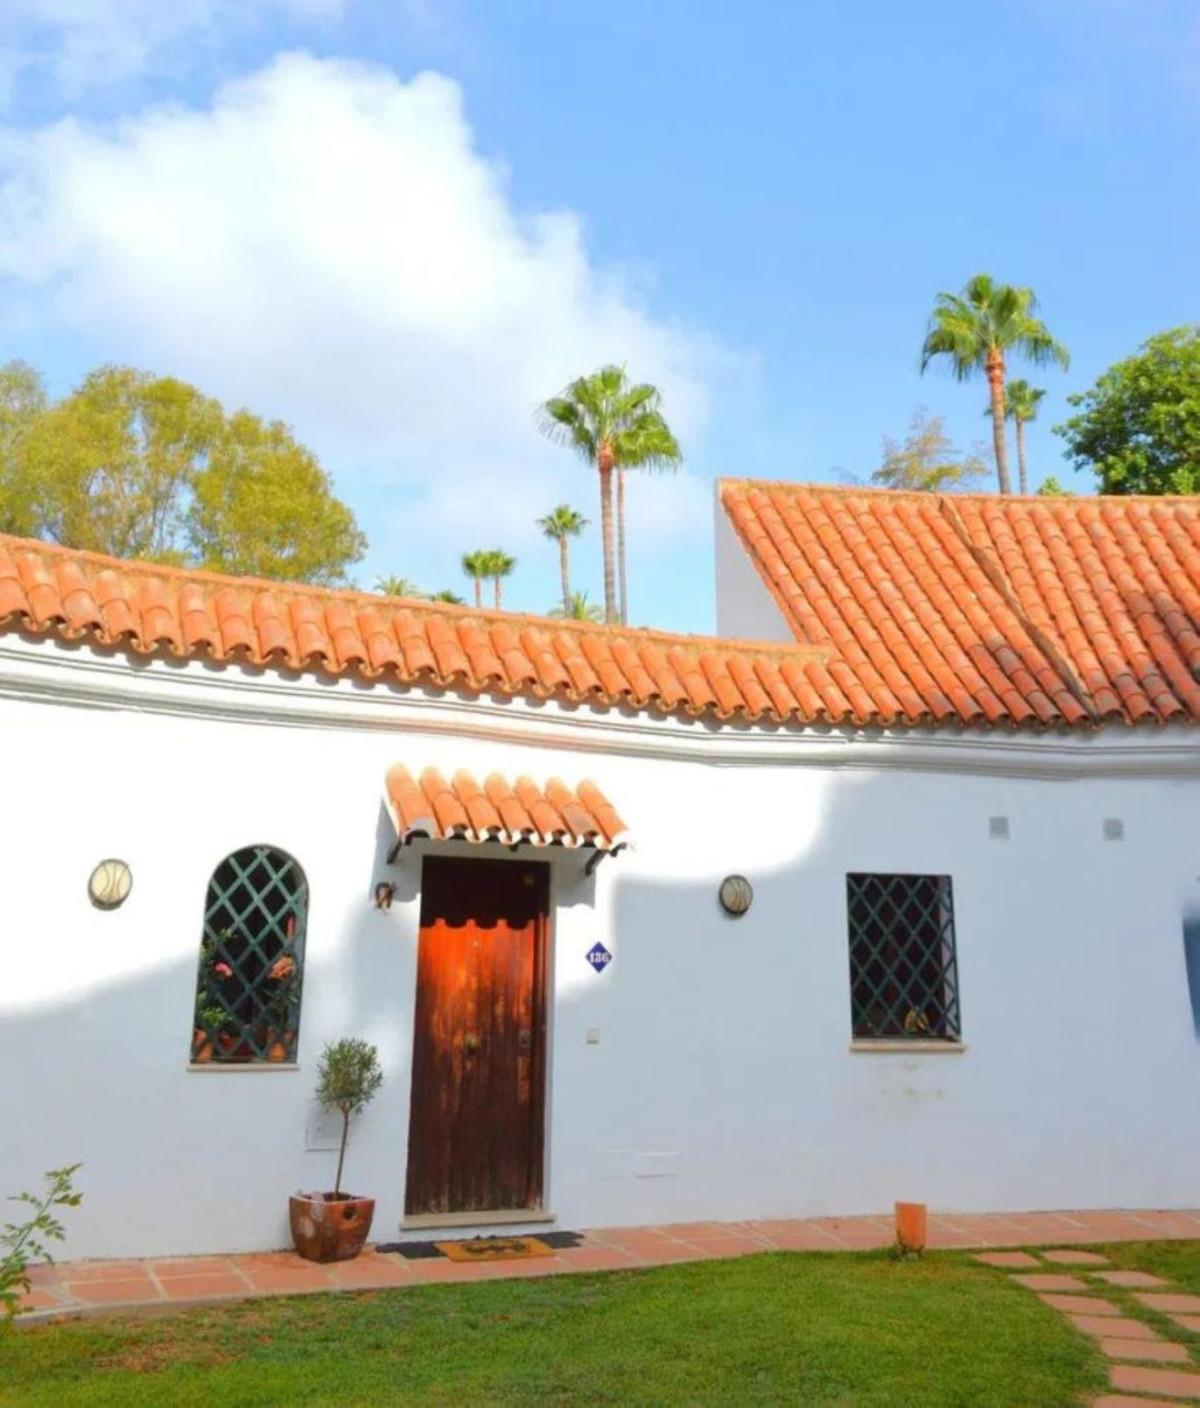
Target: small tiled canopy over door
(478, 1077)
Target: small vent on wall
(998, 828)
(1114, 828)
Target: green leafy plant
(1138, 428)
(25, 1242)
(347, 1078)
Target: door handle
(471, 1042)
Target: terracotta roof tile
(50, 590)
(982, 609)
(461, 809)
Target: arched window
(251, 959)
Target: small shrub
(25, 1242)
(347, 1078)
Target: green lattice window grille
(251, 959)
(903, 970)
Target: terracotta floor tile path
(1099, 1301)
(1148, 1365)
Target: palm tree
(1020, 406)
(475, 565)
(577, 607)
(451, 598)
(615, 426)
(499, 566)
(565, 522)
(397, 586)
(975, 329)
(652, 447)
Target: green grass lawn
(1177, 1262)
(854, 1330)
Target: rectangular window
(903, 974)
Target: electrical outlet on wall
(324, 1129)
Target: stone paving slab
(1145, 1350)
(1074, 1257)
(1124, 1400)
(1080, 1305)
(1113, 1327)
(1171, 1383)
(1049, 1282)
(163, 1283)
(1174, 1304)
(1130, 1280)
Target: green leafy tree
(111, 467)
(1051, 489)
(264, 507)
(22, 403)
(475, 565)
(926, 460)
(24, 1242)
(141, 466)
(976, 330)
(614, 425)
(348, 1077)
(1021, 403)
(398, 586)
(577, 607)
(560, 526)
(499, 566)
(1138, 428)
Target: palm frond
(987, 317)
(581, 609)
(563, 522)
(397, 586)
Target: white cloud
(325, 243)
(80, 44)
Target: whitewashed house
(950, 743)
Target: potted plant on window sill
(335, 1226)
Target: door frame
(543, 962)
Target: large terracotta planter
(325, 1228)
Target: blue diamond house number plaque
(599, 957)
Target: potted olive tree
(334, 1226)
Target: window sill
(198, 1067)
(490, 1218)
(909, 1048)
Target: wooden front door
(475, 1133)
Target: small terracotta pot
(911, 1226)
(278, 1044)
(202, 1049)
(233, 1048)
(325, 1228)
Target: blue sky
(753, 205)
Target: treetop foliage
(1138, 428)
(140, 466)
(926, 460)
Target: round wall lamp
(736, 895)
(109, 884)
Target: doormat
(495, 1249)
(419, 1251)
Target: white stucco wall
(745, 608)
(722, 1085)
